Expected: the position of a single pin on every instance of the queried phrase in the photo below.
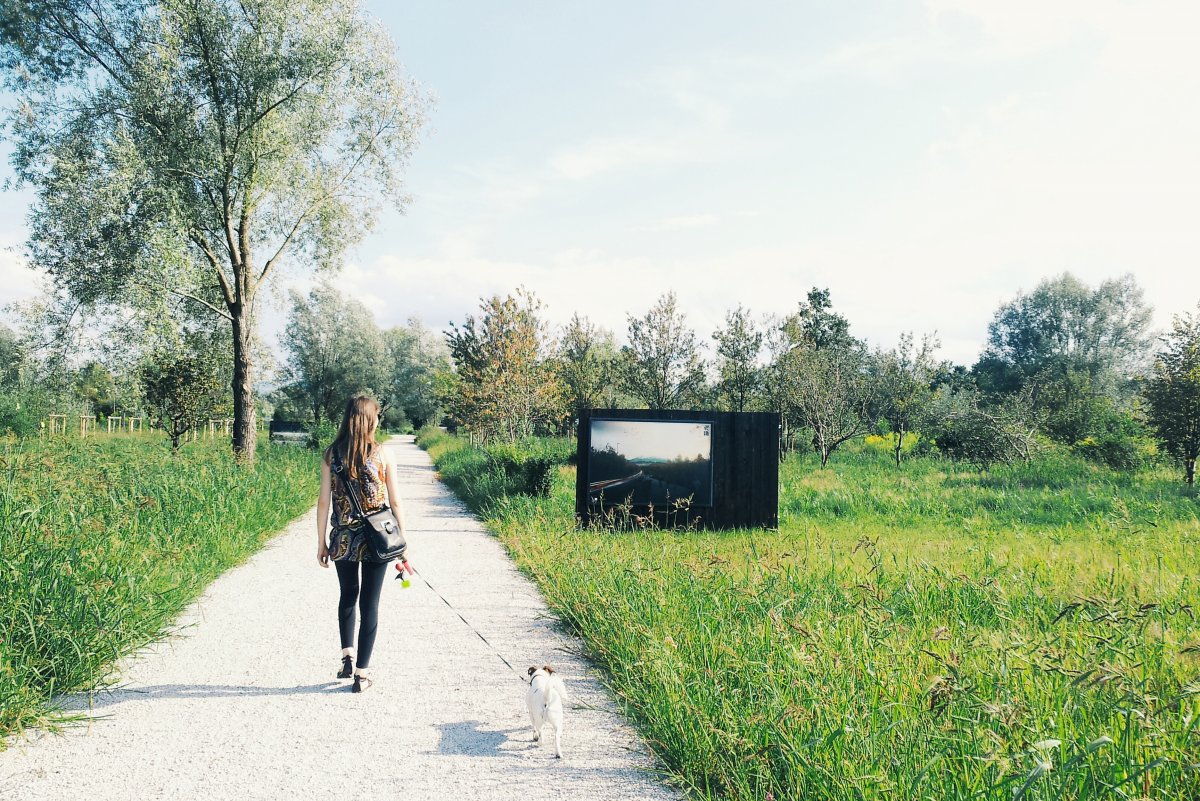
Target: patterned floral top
(370, 488)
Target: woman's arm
(323, 515)
(389, 468)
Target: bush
(19, 416)
(1120, 441)
(481, 476)
(886, 443)
(321, 435)
(1118, 451)
(528, 466)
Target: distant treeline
(1065, 366)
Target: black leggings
(373, 574)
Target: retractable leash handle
(402, 565)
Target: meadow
(104, 541)
(928, 631)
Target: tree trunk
(1190, 466)
(245, 434)
(899, 445)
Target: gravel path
(243, 703)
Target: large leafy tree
(1072, 347)
(415, 357)
(1173, 393)
(662, 366)
(334, 349)
(189, 148)
(504, 385)
(1065, 323)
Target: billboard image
(650, 462)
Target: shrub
(18, 415)
(1118, 451)
(320, 435)
(528, 466)
(1120, 442)
(886, 443)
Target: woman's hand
(322, 554)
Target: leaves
(502, 385)
(1173, 393)
(661, 366)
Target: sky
(924, 160)
(648, 439)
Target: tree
(334, 350)
(503, 386)
(816, 324)
(190, 149)
(821, 375)
(414, 358)
(587, 363)
(905, 379)
(738, 346)
(1173, 393)
(831, 392)
(661, 366)
(1075, 348)
(1065, 322)
(95, 385)
(182, 387)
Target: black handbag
(385, 540)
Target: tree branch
(324, 197)
(226, 289)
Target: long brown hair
(355, 440)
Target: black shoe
(347, 668)
(361, 683)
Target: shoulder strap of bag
(340, 469)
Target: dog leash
(403, 565)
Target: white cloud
(681, 222)
(603, 155)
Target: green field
(104, 541)
(922, 632)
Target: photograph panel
(650, 462)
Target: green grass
(928, 632)
(104, 541)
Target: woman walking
(369, 471)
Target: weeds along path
(243, 703)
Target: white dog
(545, 700)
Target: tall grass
(928, 632)
(104, 541)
